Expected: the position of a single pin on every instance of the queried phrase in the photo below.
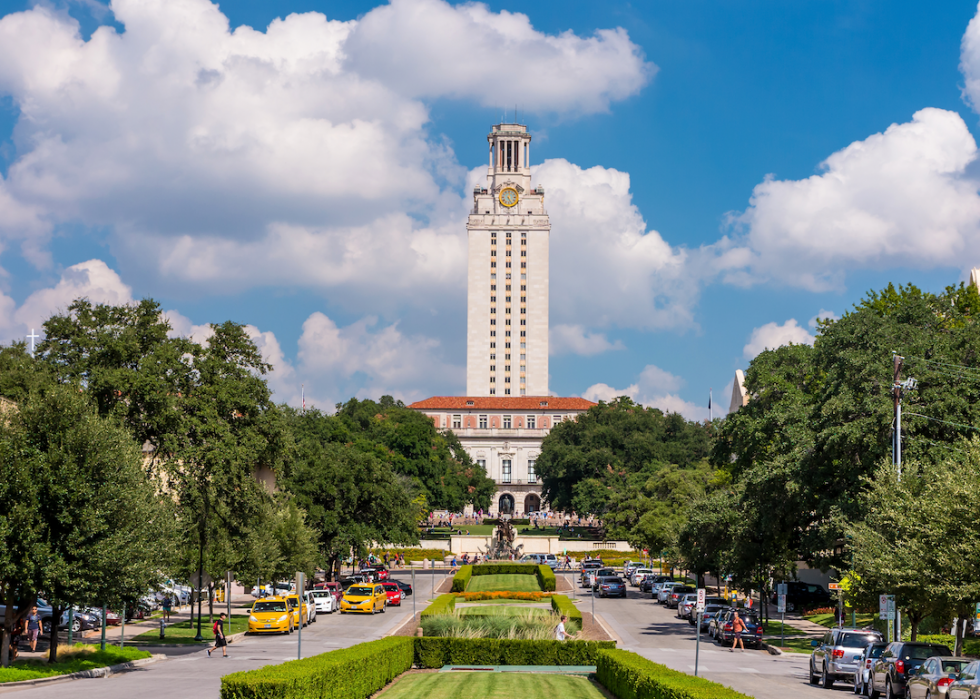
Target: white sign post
(699, 609)
(300, 586)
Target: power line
(946, 422)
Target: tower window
(506, 391)
(507, 254)
(523, 277)
(523, 253)
(507, 334)
(523, 265)
(507, 298)
(523, 333)
(523, 287)
(493, 391)
(457, 421)
(493, 299)
(506, 422)
(494, 264)
(493, 345)
(493, 333)
(530, 426)
(493, 287)
(483, 422)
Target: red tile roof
(502, 403)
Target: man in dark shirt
(219, 636)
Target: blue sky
(175, 161)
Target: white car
(326, 603)
(638, 574)
(310, 606)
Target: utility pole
(898, 388)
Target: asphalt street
(640, 624)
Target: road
(641, 625)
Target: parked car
(611, 586)
(377, 572)
(862, 676)
(366, 598)
(646, 585)
(676, 594)
(724, 628)
(966, 683)
(334, 588)
(890, 672)
(638, 574)
(272, 615)
(800, 595)
(307, 609)
(665, 590)
(325, 601)
(710, 612)
(355, 579)
(934, 677)
(543, 559)
(685, 604)
(589, 566)
(838, 655)
(393, 592)
(81, 620)
(599, 573)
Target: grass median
(74, 658)
(183, 632)
(504, 582)
(492, 684)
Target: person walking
(219, 636)
(33, 627)
(560, 634)
(738, 627)
(167, 605)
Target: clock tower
(507, 295)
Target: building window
(492, 265)
(493, 299)
(482, 463)
(493, 287)
(506, 333)
(531, 422)
(493, 333)
(523, 357)
(523, 253)
(523, 277)
(457, 421)
(493, 391)
(523, 287)
(493, 379)
(555, 419)
(523, 345)
(523, 392)
(493, 357)
(507, 299)
(506, 379)
(493, 276)
(508, 264)
(523, 321)
(505, 471)
(493, 345)
(508, 253)
(506, 367)
(523, 333)
(506, 321)
(523, 380)
(523, 265)
(531, 476)
(506, 391)
(506, 422)
(483, 422)
(493, 321)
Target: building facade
(507, 277)
(504, 435)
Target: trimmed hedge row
(504, 569)
(562, 605)
(462, 578)
(443, 604)
(631, 676)
(546, 578)
(349, 673)
(432, 651)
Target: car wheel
(46, 626)
(813, 678)
(873, 691)
(889, 692)
(76, 625)
(826, 681)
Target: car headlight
(284, 617)
(253, 619)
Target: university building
(507, 411)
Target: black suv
(892, 669)
(800, 595)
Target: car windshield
(360, 591)
(681, 590)
(856, 640)
(712, 608)
(911, 652)
(321, 593)
(612, 581)
(268, 607)
(954, 665)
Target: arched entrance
(506, 504)
(532, 503)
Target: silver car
(839, 654)
(664, 592)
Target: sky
(719, 175)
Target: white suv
(326, 603)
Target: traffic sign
(782, 589)
(702, 594)
(781, 604)
(834, 586)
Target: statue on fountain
(502, 546)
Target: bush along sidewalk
(462, 578)
(562, 605)
(443, 604)
(546, 578)
(631, 676)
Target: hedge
(631, 676)
(562, 605)
(503, 594)
(504, 569)
(349, 673)
(443, 604)
(462, 578)
(433, 652)
(546, 578)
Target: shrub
(433, 652)
(462, 577)
(504, 569)
(630, 676)
(443, 604)
(349, 673)
(971, 646)
(562, 605)
(546, 578)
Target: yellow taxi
(366, 598)
(304, 610)
(272, 615)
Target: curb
(83, 674)
(231, 639)
(773, 650)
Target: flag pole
(709, 405)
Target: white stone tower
(507, 306)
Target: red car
(394, 593)
(377, 572)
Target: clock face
(508, 196)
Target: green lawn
(503, 611)
(542, 531)
(508, 583)
(491, 685)
(773, 629)
(830, 620)
(794, 644)
(75, 658)
(473, 529)
(184, 632)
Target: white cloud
(575, 339)
(771, 335)
(428, 48)
(93, 280)
(970, 62)
(635, 278)
(654, 388)
(822, 314)
(904, 197)
(224, 160)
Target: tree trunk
(53, 638)
(8, 627)
(211, 602)
(958, 635)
